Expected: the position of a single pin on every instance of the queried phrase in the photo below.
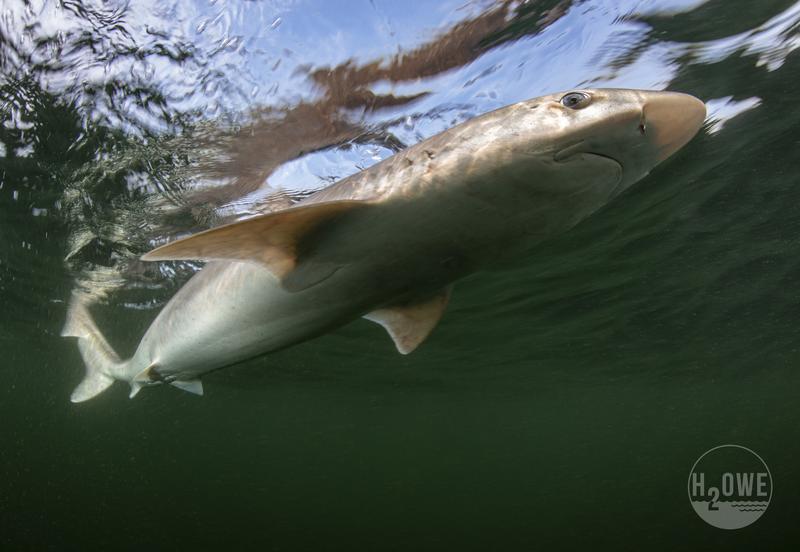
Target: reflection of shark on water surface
(387, 243)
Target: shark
(388, 243)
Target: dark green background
(559, 405)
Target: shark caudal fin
(102, 363)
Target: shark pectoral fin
(192, 386)
(272, 239)
(410, 323)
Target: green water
(561, 402)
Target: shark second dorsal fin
(409, 324)
(271, 239)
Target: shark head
(554, 160)
(632, 129)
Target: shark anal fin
(273, 239)
(410, 323)
(191, 386)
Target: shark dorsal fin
(409, 324)
(272, 240)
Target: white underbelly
(227, 313)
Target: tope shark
(389, 242)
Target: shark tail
(103, 365)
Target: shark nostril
(642, 128)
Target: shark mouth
(580, 147)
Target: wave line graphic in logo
(730, 486)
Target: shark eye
(576, 100)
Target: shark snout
(670, 120)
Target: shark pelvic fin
(150, 376)
(146, 376)
(409, 324)
(273, 240)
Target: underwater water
(561, 402)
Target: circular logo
(730, 486)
